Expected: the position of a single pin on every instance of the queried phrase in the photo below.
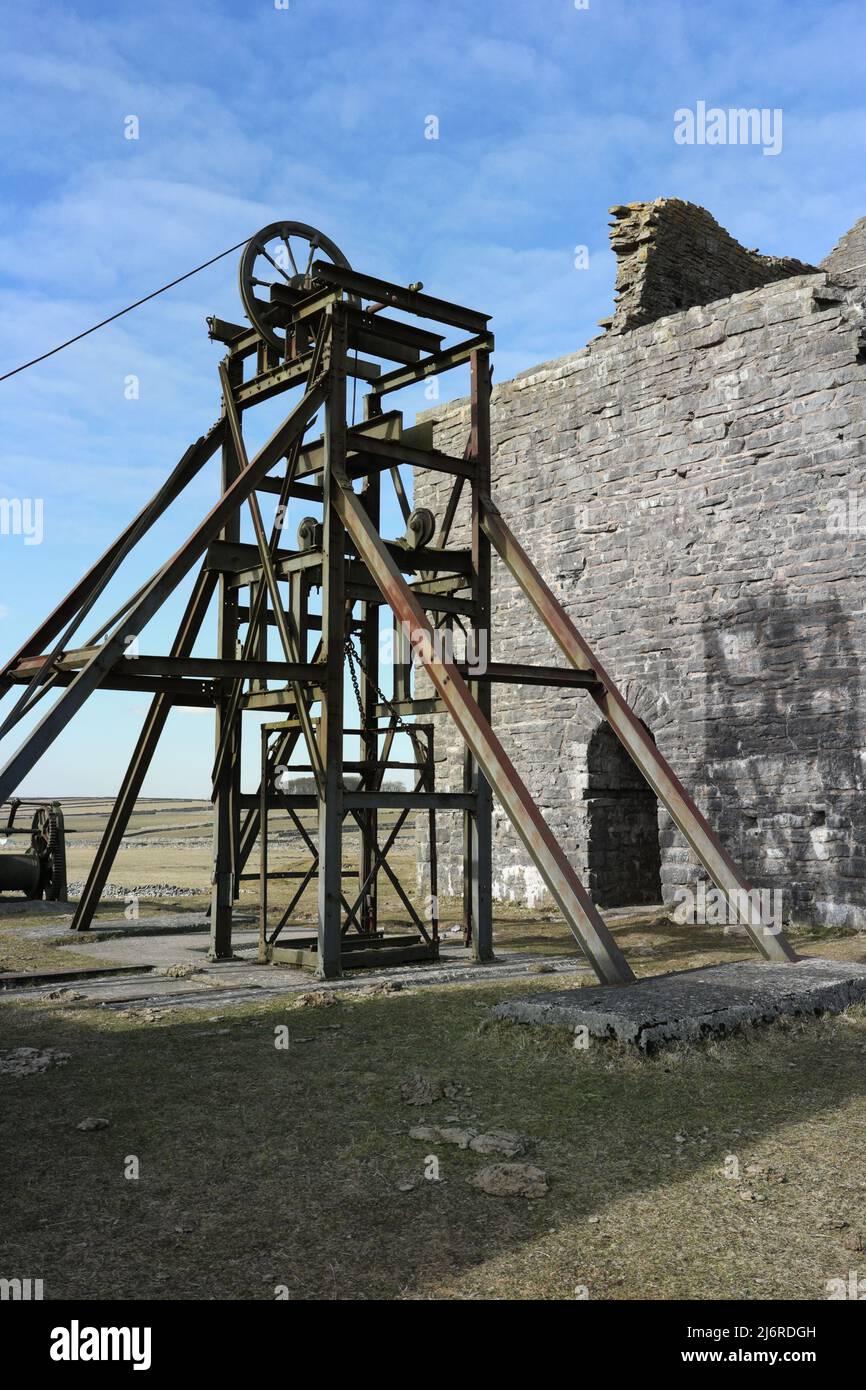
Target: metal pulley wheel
(284, 252)
(420, 528)
(309, 534)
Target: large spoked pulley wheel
(281, 254)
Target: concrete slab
(693, 1004)
(243, 979)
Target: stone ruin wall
(671, 254)
(694, 490)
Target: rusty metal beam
(443, 361)
(331, 721)
(508, 673)
(142, 756)
(225, 786)
(200, 667)
(162, 584)
(560, 878)
(193, 694)
(72, 610)
(399, 297)
(728, 878)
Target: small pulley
(309, 534)
(420, 528)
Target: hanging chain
(354, 656)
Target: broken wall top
(846, 263)
(672, 255)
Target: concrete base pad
(693, 1004)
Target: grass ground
(169, 843)
(726, 1170)
(262, 1169)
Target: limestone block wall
(847, 261)
(672, 254)
(695, 492)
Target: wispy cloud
(547, 115)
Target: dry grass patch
(261, 1167)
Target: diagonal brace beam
(163, 583)
(565, 887)
(141, 759)
(78, 602)
(728, 878)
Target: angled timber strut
(298, 632)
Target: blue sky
(547, 115)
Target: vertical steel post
(369, 681)
(467, 851)
(226, 790)
(263, 849)
(333, 637)
(430, 786)
(371, 497)
(480, 818)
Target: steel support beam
(479, 821)
(560, 878)
(130, 788)
(368, 820)
(161, 585)
(227, 722)
(411, 301)
(331, 810)
(771, 942)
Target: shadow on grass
(261, 1168)
(657, 936)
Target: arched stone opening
(623, 852)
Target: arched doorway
(623, 854)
